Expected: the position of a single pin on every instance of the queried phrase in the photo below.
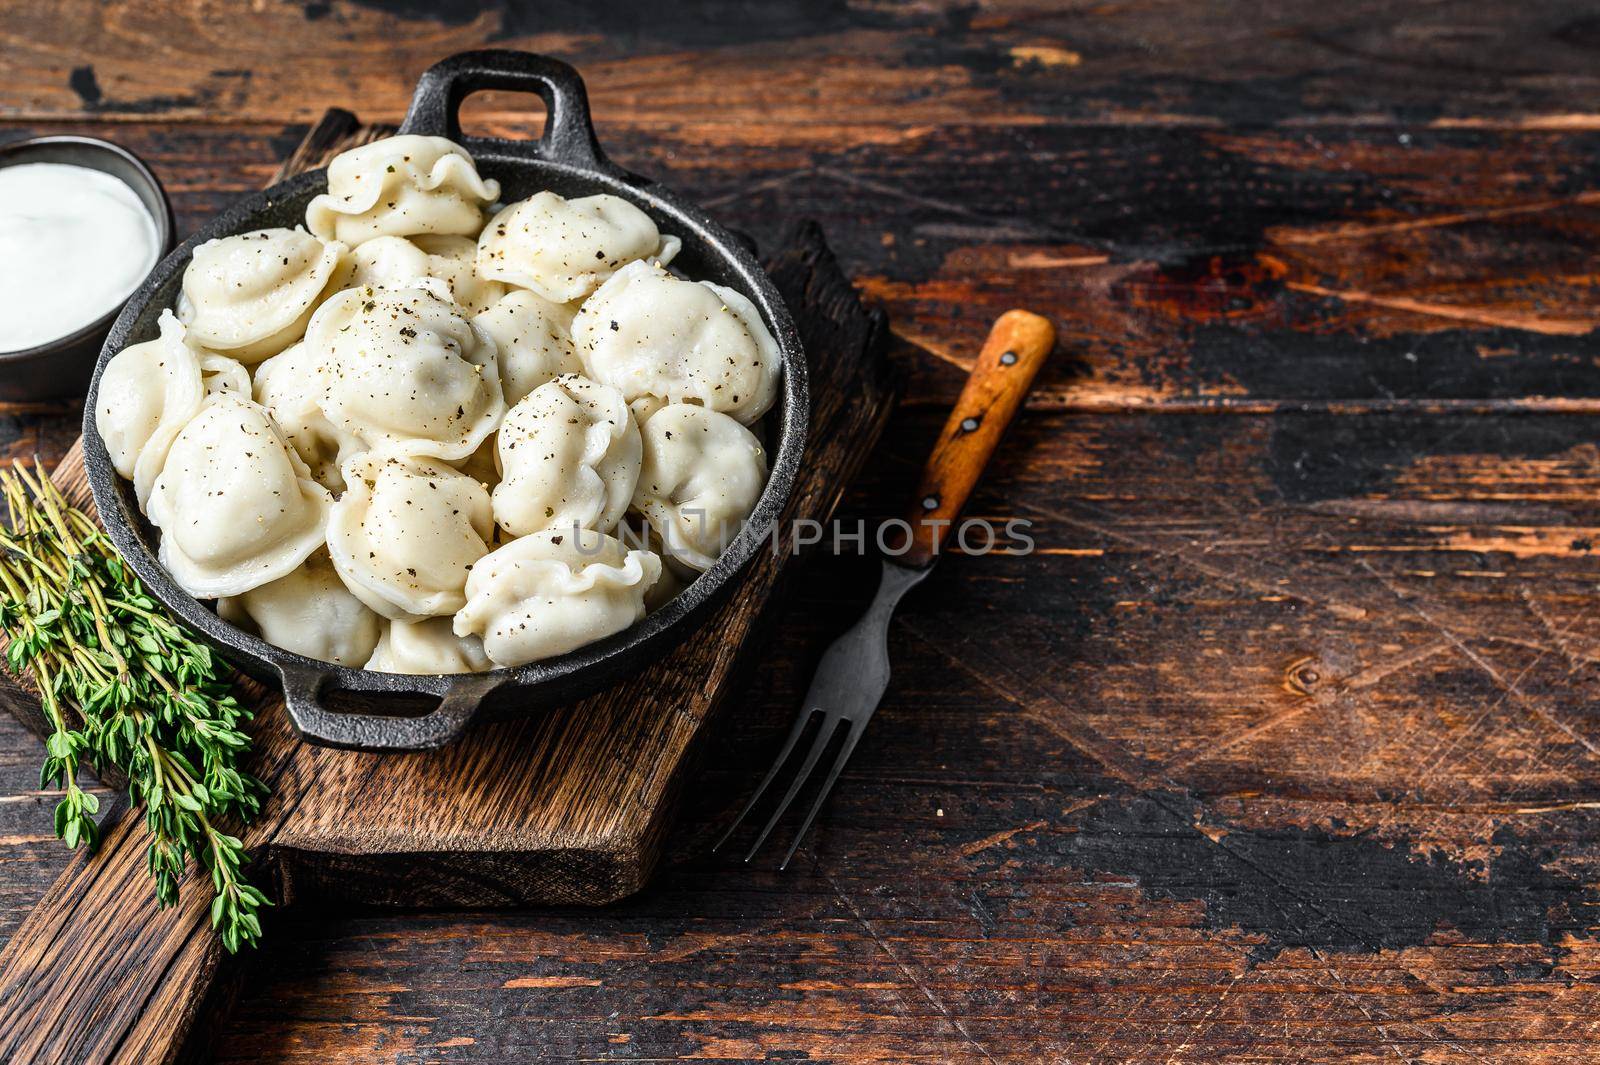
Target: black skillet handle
(568, 131)
(461, 697)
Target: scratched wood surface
(1281, 746)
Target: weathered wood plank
(775, 70)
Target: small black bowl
(61, 368)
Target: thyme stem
(145, 696)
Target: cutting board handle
(96, 973)
(1010, 359)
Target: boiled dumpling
(534, 339)
(309, 612)
(648, 333)
(219, 374)
(565, 249)
(148, 392)
(553, 592)
(700, 479)
(404, 365)
(428, 647)
(569, 456)
(399, 187)
(235, 505)
(251, 295)
(397, 261)
(289, 385)
(645, 406)
(407, 531)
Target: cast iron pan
(567, 159)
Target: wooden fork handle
(1010, 359)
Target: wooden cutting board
(564, 807)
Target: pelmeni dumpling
(310, 612)
(534, 339)
(235, 505)
(407, 531)
(427, 646)
(397, 261)
(399, 187)
(700, 479)
(148, 392)
(546, 594)
(219, 374)
(289, 385)
(569, 456)
(645, 406)
(251, 295)
(648, 333)
(404, 365)
(565, 249)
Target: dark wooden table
(1284, 744)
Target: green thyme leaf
(124, 686)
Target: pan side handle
(568, 131)
(461, 696)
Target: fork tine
(830, 726)
(850, 739)
(801, 720)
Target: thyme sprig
(122, 685)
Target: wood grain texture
(1011, 358)
(785, 70)
(1281, 744)
(561, 807)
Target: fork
(854, 671)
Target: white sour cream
(74, 243)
